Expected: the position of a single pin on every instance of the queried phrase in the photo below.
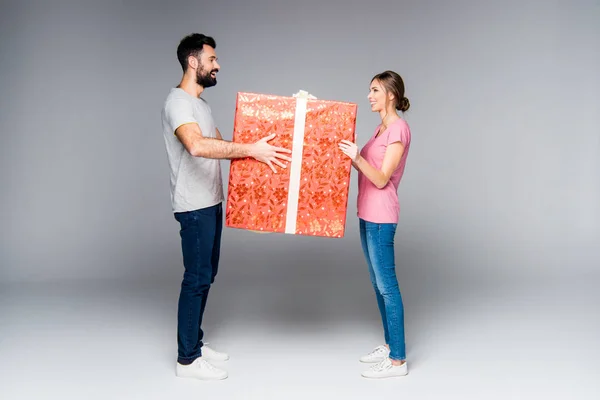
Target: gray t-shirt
(196, 182)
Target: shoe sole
(371, 361)
(184, 376)
(384, 377)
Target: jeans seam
(189, 316)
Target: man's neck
(191, 87)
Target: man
(194, 147)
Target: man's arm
(219, 134)
(197, 145)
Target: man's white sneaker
(385, 369)
(213, 355)
(200, 369)
(378, 354)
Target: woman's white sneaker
(200, 369)
(378, 354)
(385, 369)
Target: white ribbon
(296, 164)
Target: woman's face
(377, 96)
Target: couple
(195, 146)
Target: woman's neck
(388, 117)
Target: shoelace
(378, 350)
(382, 365)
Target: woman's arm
(380, 178)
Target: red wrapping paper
(257, 198)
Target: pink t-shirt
(381, 205)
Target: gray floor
(485, 339)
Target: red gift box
(310, 196)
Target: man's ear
(193, 62)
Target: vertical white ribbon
(296, 164)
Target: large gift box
(310, 196)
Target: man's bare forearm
(220, 149)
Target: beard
(204, 79)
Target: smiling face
(378, 97)
(206, 73)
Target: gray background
(500, 219)
(503, 176)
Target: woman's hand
(350, 149)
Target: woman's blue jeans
(378, 246)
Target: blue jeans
(378, 246)
(201, 245)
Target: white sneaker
(213, 355)
(200, 369)
(378, 354)
(385, 369)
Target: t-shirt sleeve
(179, 112)
(399, 133)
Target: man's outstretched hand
(264, 152)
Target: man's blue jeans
(378, 245)
(201, 245)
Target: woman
(380, 165)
